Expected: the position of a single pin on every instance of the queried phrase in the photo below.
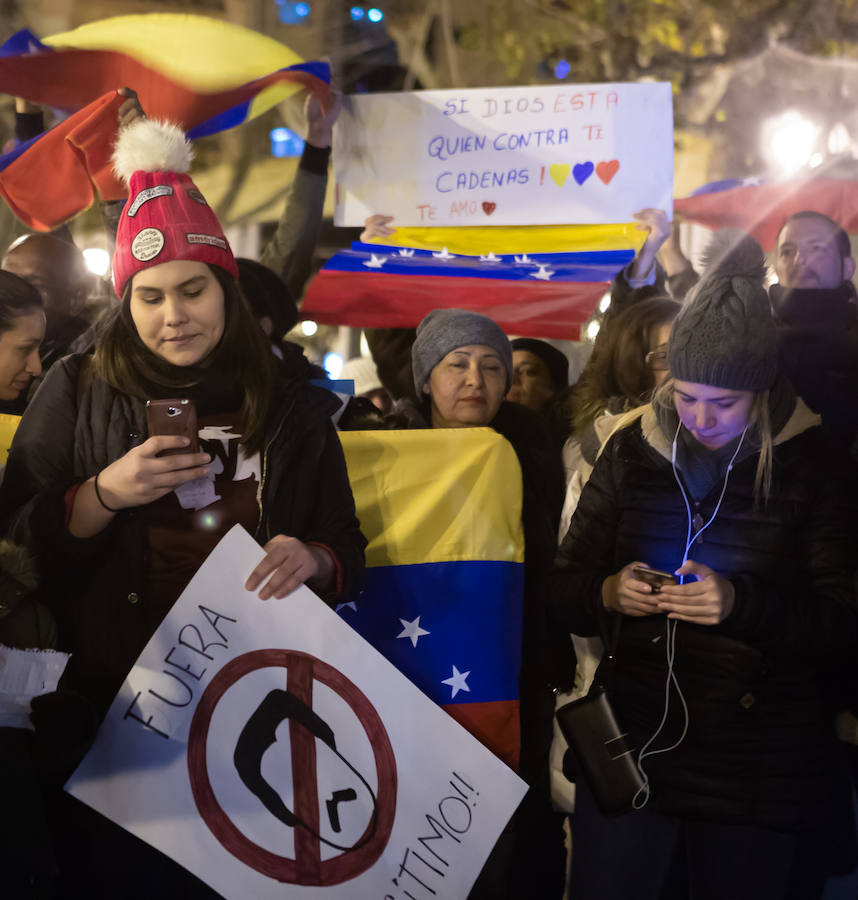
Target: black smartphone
(174, 417)
(654, 577)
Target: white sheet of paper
(25, 674)
(552, 154)
(270, 750)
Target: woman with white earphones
(724, 679)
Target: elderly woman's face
(466, 388)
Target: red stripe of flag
(554, 309)
(70, 79)
(58, 176)
(763, 209)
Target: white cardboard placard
(271, 751)
(552, 154)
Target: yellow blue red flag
(443, 596)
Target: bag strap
(610, 638)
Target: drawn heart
(559, 172)
(582, 172)
(607, 170)
(489, 208)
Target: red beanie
(165, 217)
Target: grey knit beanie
(724, 335)
(444, 330)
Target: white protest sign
(565, 154)
(271, 751)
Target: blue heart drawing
(582, 171)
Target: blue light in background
(357, 13)
(285, 143)
(374, 15)
(333, 364)
(562, 69)
(292, 13)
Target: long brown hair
(242, 357)
(617, 367)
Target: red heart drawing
(607, 170)
(489, 208)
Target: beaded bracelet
(100, 498)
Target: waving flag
(56, 175)
(203, 73)
(540, 295)
(761, 207)
(443, 594)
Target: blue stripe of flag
(472, 611)
(23, 42)
(237, 114)
(591, 266)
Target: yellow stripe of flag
(520, 239)
(203, 54)
(417, 494)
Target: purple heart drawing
(582, 171)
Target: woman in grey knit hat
(724, 485)
(462, 366)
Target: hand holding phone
(177, 417)
(655, 578)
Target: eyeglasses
(657, 360)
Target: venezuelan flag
(443, 597)
(57, 174)
(761, 207)
(202, 73)
(538, 295)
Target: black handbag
(601, 747)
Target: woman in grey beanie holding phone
(722, 679)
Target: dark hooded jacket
(818, 349)
(97, 586)
(760, 740)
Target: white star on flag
(406, 253)
(412, 630)
(491, 258)
(457, 682)
(444, 254)
(351, 604)
(544, 273)
(524, 260)
(375, 262)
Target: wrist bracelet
(100, 498)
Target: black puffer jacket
(97, 585)
(760, 737)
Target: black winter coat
(760, 738)
(96, 586)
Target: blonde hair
(759, 418)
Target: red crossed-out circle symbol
(307, 868)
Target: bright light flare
(333, 364)
(309, 328)
(97, 261)
(789, 141)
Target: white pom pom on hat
(149, 145)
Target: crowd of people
(712, 437)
